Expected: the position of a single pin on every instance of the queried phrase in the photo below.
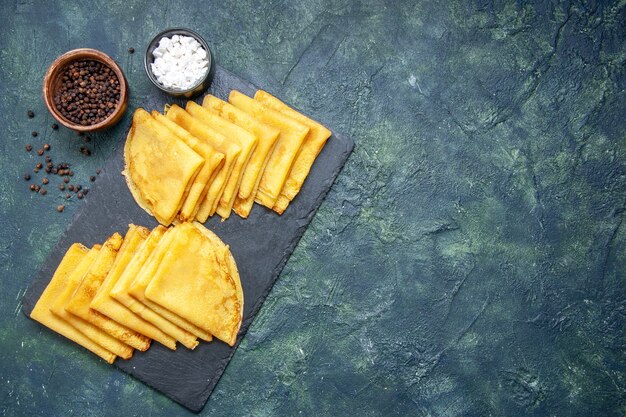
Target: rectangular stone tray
(260, 244)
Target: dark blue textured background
(470, 259)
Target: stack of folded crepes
(220, 157)
(177, 284)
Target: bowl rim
(149, 59)
(80, 54)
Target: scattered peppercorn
(55, 126)
(85, 151)
(68, 196)
(131, 50)
(88, 94)
(92, 178)
(45, 180)
(98, 171)
(39, 165)
(36, 170)
(47, 158)
(34, 134)
(37, 188)
(32, 187)
(79, 195)
(39, 152)
(42, 191)
(46, 146)
(70, 173)
(60, 208)
(70, 187)
(66, 180)
(29, 147)
(62, 187)
(85, 191)
(27, 177)
(30, 114)
(49, 165)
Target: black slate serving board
(260, 244)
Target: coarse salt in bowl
(179, 62)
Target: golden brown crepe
(292, 135)
(159, 167)
(238, 135)
(120, 290)
(267, 140)
(137, 287)
(312, 146)
(141, 281)
(226, 260)
(86, 291)
(43, 315)
(107, 305)
(230, 150)
(178, 321)
(192, 283)
(58, 308)
(213, 161)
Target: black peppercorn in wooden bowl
(85, 90)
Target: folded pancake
(208, 135)
(267, 139)
(213, 161)
(238, 135)
(159, 167)
(312, 146)
(178, 321)
(120, 290)
(144, 276)
(43, 315)
(290, 139)
(138, 287)
(110, 307)
(192, 283)
(86, 291)
(58, 308)
(226, 260)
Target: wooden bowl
(52, 82)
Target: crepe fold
(196, 282)
(79, 303)
(176, 284)
(247, 142)
(159, 168)
(97, 335)
(110, 307)
(121, 292)
(213, 162)
(141, 281)
(312, 146)
(208, 135)
(267, 138)
(41, 312)
(291, 137)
